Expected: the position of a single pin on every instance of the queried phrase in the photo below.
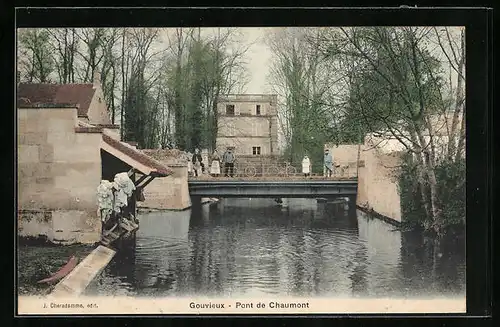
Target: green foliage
(451, 190)
(412, 205)
(196, 84)
(298, 77)
(451, 194)
(397, 83)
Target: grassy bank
(36, 262)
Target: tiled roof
(137, 155)
(32, 94)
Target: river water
(252, 247)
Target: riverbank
(370, 213)
(457, 230)
(36, 262)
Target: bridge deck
(272, 187)
(271, 178)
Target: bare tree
(35, 52)
(92, 52)
(110, 69)
(298, 76)
(65, 45)
(140, 110)
(453, 48)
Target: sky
(258, 55)
(258, 58)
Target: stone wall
(346, 155)
(171, 192)
(377, 183)
(377, 172)
(58, 172)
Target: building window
(257, 109)
(230, 109)
(256, 150)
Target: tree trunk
(431, 178)
(458, 102)
(124, 86)
(461, 141)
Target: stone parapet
(171, 192)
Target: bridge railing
(284, 170)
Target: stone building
(66, 145)
(249, 123)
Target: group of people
(228, 158)
(227, 161)
(328, 162)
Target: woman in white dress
(215, 166)
(306, 166)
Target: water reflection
(254, 247)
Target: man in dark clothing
(228, 159)
(197, 158)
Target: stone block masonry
(171, 192)
(58, 173)
(377, 185)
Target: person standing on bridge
(197, 162)
(215, 166)
(328, 163)
(228, 159)
(306, 166)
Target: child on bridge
(306, 166)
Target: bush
(412, 207)
(451, 192)
(451, 195)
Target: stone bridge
(366, 173)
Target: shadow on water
(255, 247)
(439, 263)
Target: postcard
(250, 170)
